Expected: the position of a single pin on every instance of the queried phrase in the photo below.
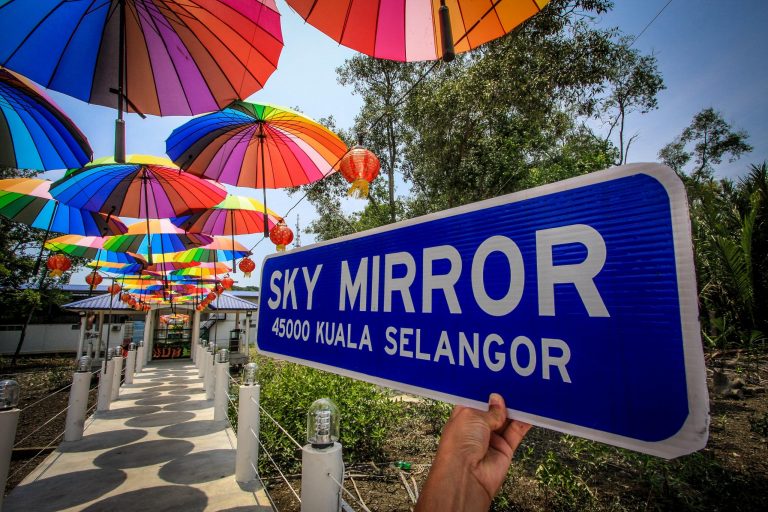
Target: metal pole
(78, 404)
(263, 178)
(119, 123)
(248, 422)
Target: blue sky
(711, 53)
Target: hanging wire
(41, 426)
(634, 40)
(46, 397)
(278, 424)
(264, 449)
(35, 456)
(341, 486)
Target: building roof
(225, 302)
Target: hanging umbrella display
(163, 57)
(203, 270)
(160, 233)
(221, 249)
(34, 132)
(257, 146)
(144, 187)
(235, 215)
(418, 29)
(90, 247)
(28, 200)
(168, 266)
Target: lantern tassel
(359, 189)
(281, 248)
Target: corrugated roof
(226, 302)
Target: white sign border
(693, 435)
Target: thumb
(496, 416)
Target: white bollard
(321, 461)
(140, 357)
(130, 364)
(210, 376)
(105, 384)
(9, 418)
(319, 493)
(248, 422)
(78, 401)
(117, 375)
(221, 392)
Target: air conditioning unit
(115, 327)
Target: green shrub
(287, 391)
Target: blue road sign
(576, 301)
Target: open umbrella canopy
(160, 236)
(204, 270)
(221, 249)
(34, 132)
(168, 266)
(28, 200)
(235, 215)
(124, 269)
(182, 57)
(258, 146)
(90, 247)
(412, 31)
(142, 187)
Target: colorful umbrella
(221, 249)
(413, 31)
(161, 233)
(34, 132)
(168, 266)
(140, 188)
(258, 146)
(28, 200)
(181, 57)
(235, 215)
(209, 269)
(90, 247)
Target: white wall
(48, 338)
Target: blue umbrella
(34, 133)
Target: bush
(287, 391)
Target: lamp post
(78, 400)
(321, 459)
(248, 423)
(221, 395)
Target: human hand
(473, 457)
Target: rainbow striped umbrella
(413, 30)
(28, 200)
(203, 270)
(34, 132)
(160, 233)
(258, 146)
(221, 249)
(144, 187)
(90, 247)
(179, 57)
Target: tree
(706, 141)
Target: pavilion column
(81, 340)
(101, 335)
(195, 343)
(148, 338)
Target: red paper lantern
(58, 264)
(211, 296)
(247, 266)
(227, 282)
(93, 279)
(281, 235)
(125, 297)
(359, 167)
(199, 307)
(218, 289)
(114, 289)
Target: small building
(93, 324)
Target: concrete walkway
(157, 449)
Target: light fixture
(223, 356)
(249, 313)
(250, 373)
(110, 354)
(322, 423)
(211, 347)
(84, 364)
(131, 346)
(9, 394)
(141, 343)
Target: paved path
(157, 449)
